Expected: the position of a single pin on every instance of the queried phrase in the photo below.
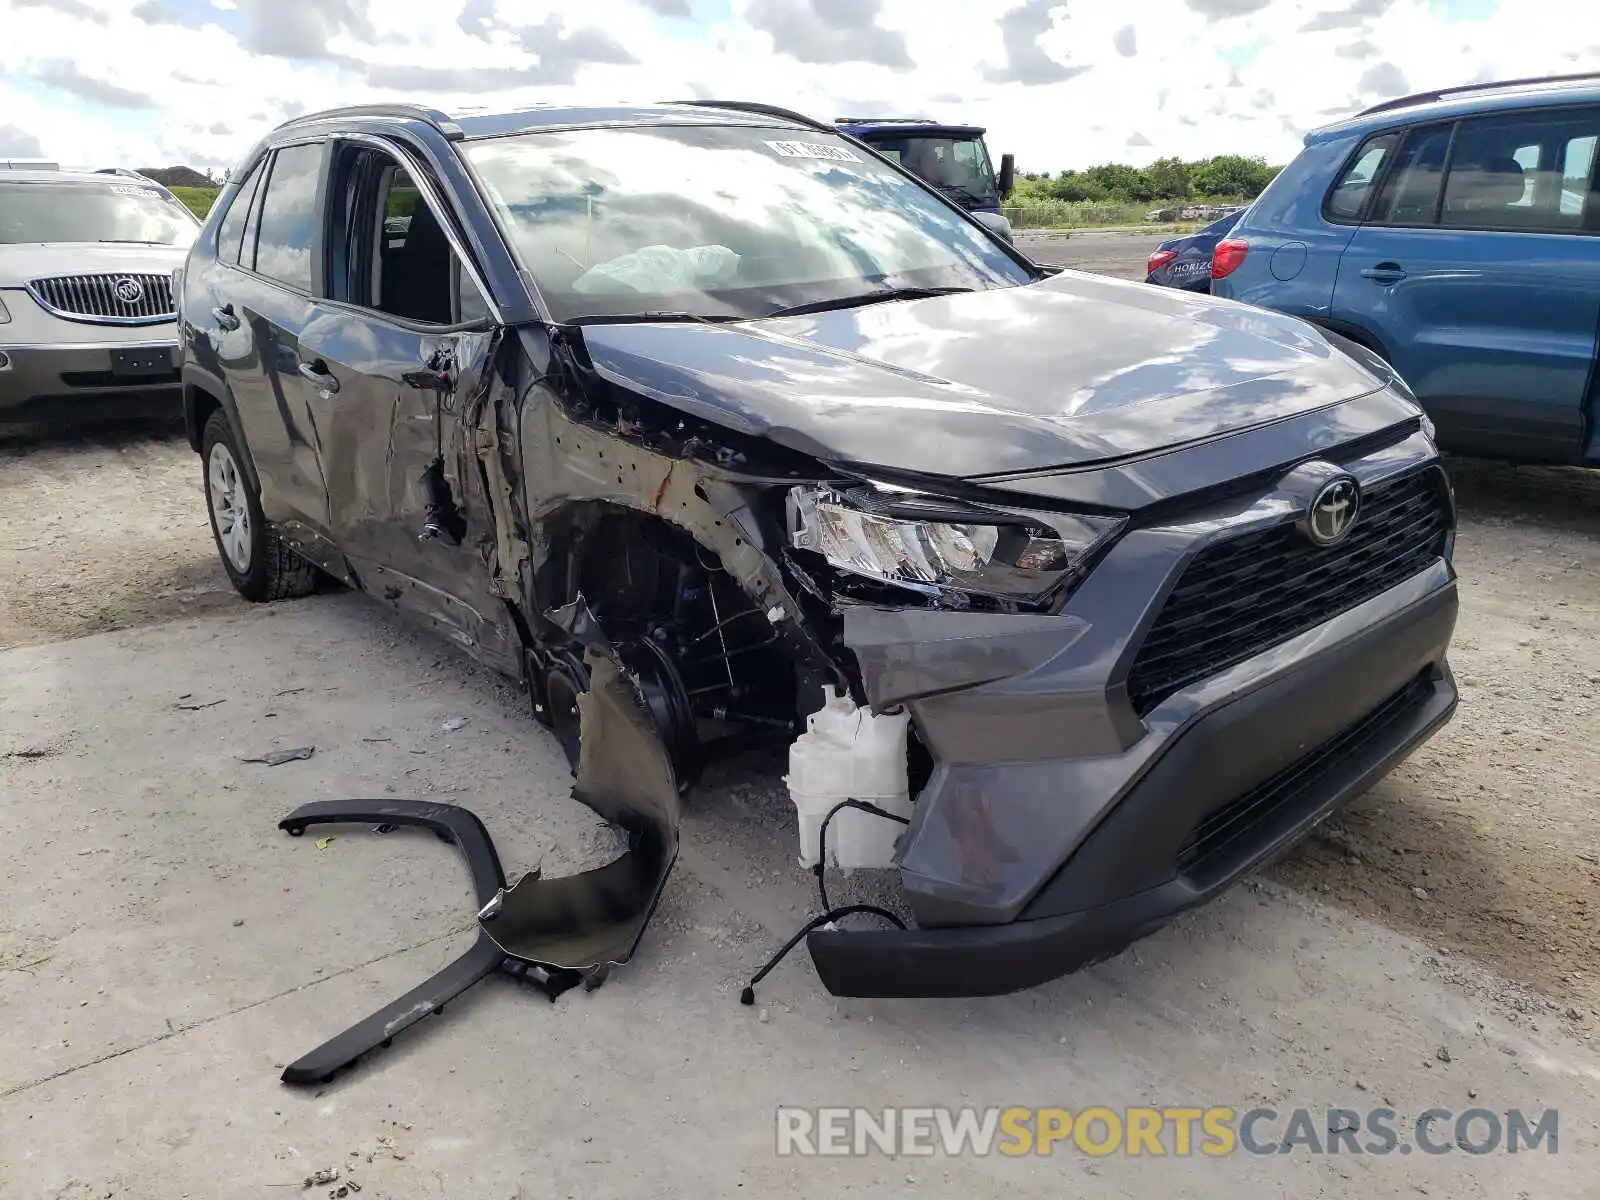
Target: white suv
(87, 327)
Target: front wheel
(260, 565)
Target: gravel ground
(164, 950)
(1104, 252)
(1496, 821)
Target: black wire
(829, 914)
(748, 996)
(822, 838)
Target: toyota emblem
(129, 291)
(1333, 511)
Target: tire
(259, 563)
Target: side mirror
(1008, 175)
(994, 223)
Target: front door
(396, 356)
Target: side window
(1577, 175)
(1348, 198)
(398, 260)
(288, 216)
(230, 234)
(470, 305)
(1411, 191)
(1529, 172)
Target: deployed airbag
(658, 270)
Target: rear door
(1478, 269)
(398, 349)
(264, 305)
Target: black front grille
(1225, 838)
(1245, 595)
(116, 297)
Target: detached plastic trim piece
(464, 830)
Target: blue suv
(1457, 234)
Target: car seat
(418, 284)
(1490, 189)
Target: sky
(1059, 83)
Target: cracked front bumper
(1060, 825)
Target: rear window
(1348, 199)
(230, 234)
(92, 212)
(1411, 192)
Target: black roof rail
(1467, 88)
(886, 120)
(409, 112)
(762, 110)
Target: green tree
(1077, 185)
(1233, 175)
(1170, 178)
(1123, 182)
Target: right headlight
(945, 548)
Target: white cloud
(92, 82)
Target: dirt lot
(1497, 820)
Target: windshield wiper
(899, 293)
(641, 317)
(961, 193)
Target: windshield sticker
(815, 150)
(133, 191)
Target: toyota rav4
(721, 397)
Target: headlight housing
(944, 549)
(4, 315)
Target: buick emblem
(1333, 511)
(129, 291)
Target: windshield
(959, 165)
(722, 221)
(85, 212)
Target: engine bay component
(849, 753)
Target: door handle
(318, 373)
(225, 319)
(1384, 272)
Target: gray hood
(34, 260)
(1070, 370)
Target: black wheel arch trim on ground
(455, 826)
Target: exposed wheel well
(677, 619)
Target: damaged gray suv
(716, 396)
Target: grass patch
(198, 200)
(1040, 212)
